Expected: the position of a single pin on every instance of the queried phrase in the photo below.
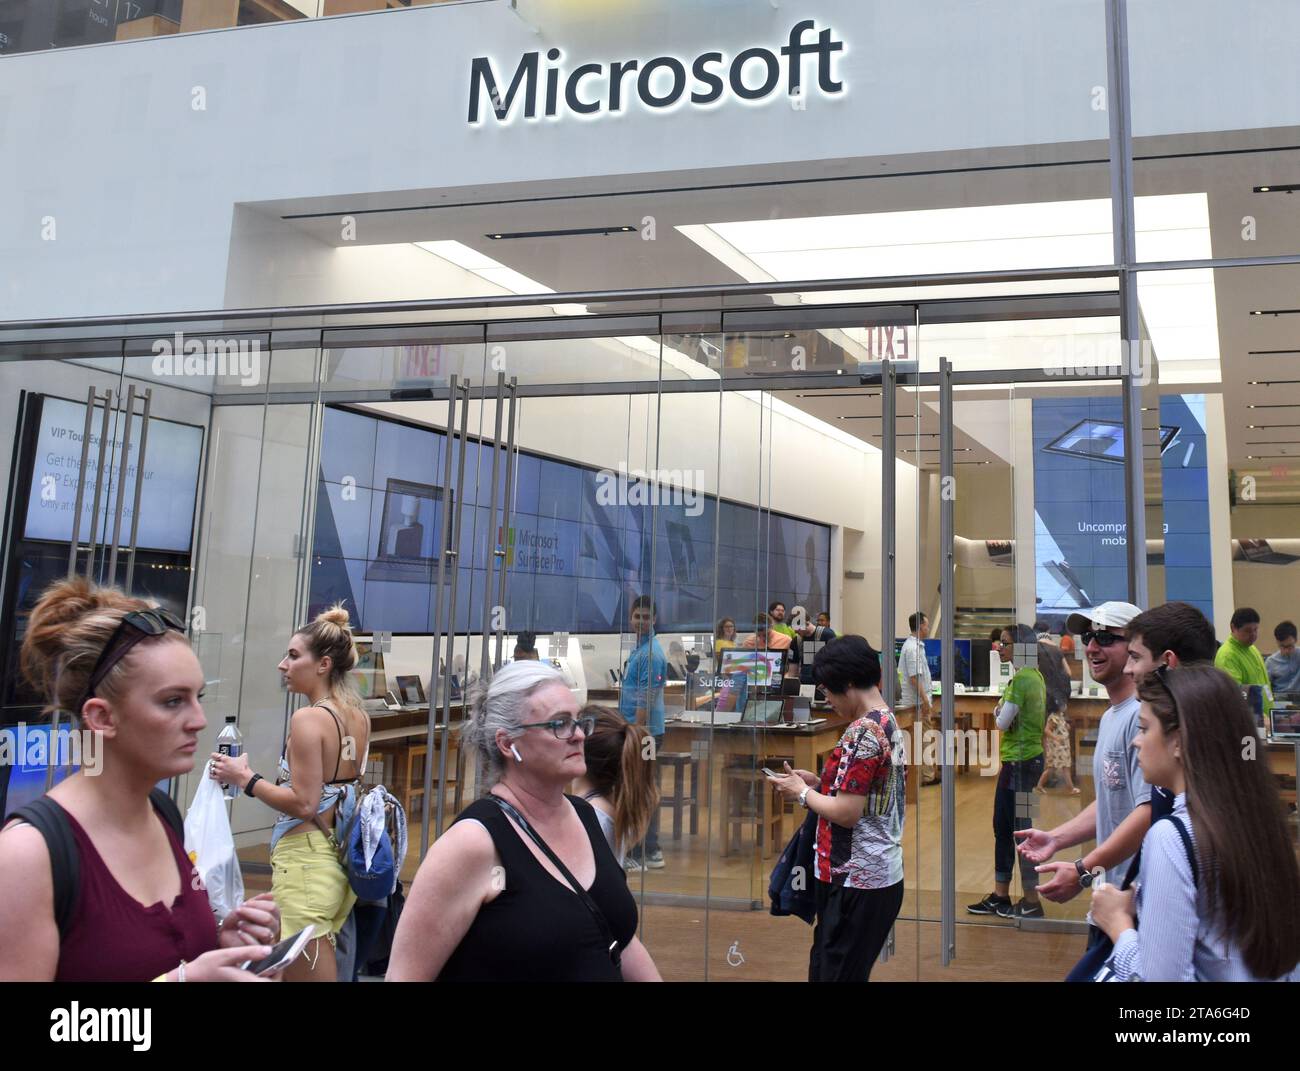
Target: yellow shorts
(309, 885)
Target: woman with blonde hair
(323, 758)
(130, 910)
(619, 782)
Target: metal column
(139, 486)
(499, 551)
(495, 549)
(435, 675)
(91, 398)
(452, 556)
(888, 528)
(122, 470)
(947, 530)
(1134, 360)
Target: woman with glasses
(123, 671)
(1220, 873)
(619, 782)
(331, 733)
(523, 886)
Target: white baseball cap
(1107, 615)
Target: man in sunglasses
(1120, 816)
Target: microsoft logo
(662, 82)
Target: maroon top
(115, 938)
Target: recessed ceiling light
(1284, 188)
(572, 232)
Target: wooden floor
(695, 866)
(728, 946)
(690, 943)
(704, 917)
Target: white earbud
(515, 752)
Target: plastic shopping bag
(211, 847)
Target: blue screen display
(581, 545)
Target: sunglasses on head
(136, 626)
(1103, 637)
(1160, 673)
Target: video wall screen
(1081, 537)
(171, 476)
(577, 555)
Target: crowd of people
(529, 882)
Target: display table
(1284, 763)
(726, 744)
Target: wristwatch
(803, 797)
(1085, 875)
(248, 788)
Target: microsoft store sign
(548, 89)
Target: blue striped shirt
(1178, 941)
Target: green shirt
(1024, 739)
(1245, 665)
(783, 627)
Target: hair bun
(335, 615)
(67, 621)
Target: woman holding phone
(859, 805)
(125, 671)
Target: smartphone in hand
(281, 955)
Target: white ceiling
(815, 222)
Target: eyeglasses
(1104, 637)
(136, 626)
(563, 727)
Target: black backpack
(51, 821)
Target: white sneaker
(632, 866)
(655, 860)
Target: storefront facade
(977, 310)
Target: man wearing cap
(1120, 816)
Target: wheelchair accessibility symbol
(734, 958)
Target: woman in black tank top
(523, 886)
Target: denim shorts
(310, 885)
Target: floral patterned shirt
(868, 761)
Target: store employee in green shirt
(1020, 716)
(1240, 659)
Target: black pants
(1014, 779)
(852, 925)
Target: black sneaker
(1026, 910)
(993, 904)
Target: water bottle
(230, 741)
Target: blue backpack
(376, 881)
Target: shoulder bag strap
(1187, 847)
(49, 819)
(606, 934)
(166, 806)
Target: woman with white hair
(523, 886)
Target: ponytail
(619, 764)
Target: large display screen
(171, 478)
(1081, 534)
(578, 549)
